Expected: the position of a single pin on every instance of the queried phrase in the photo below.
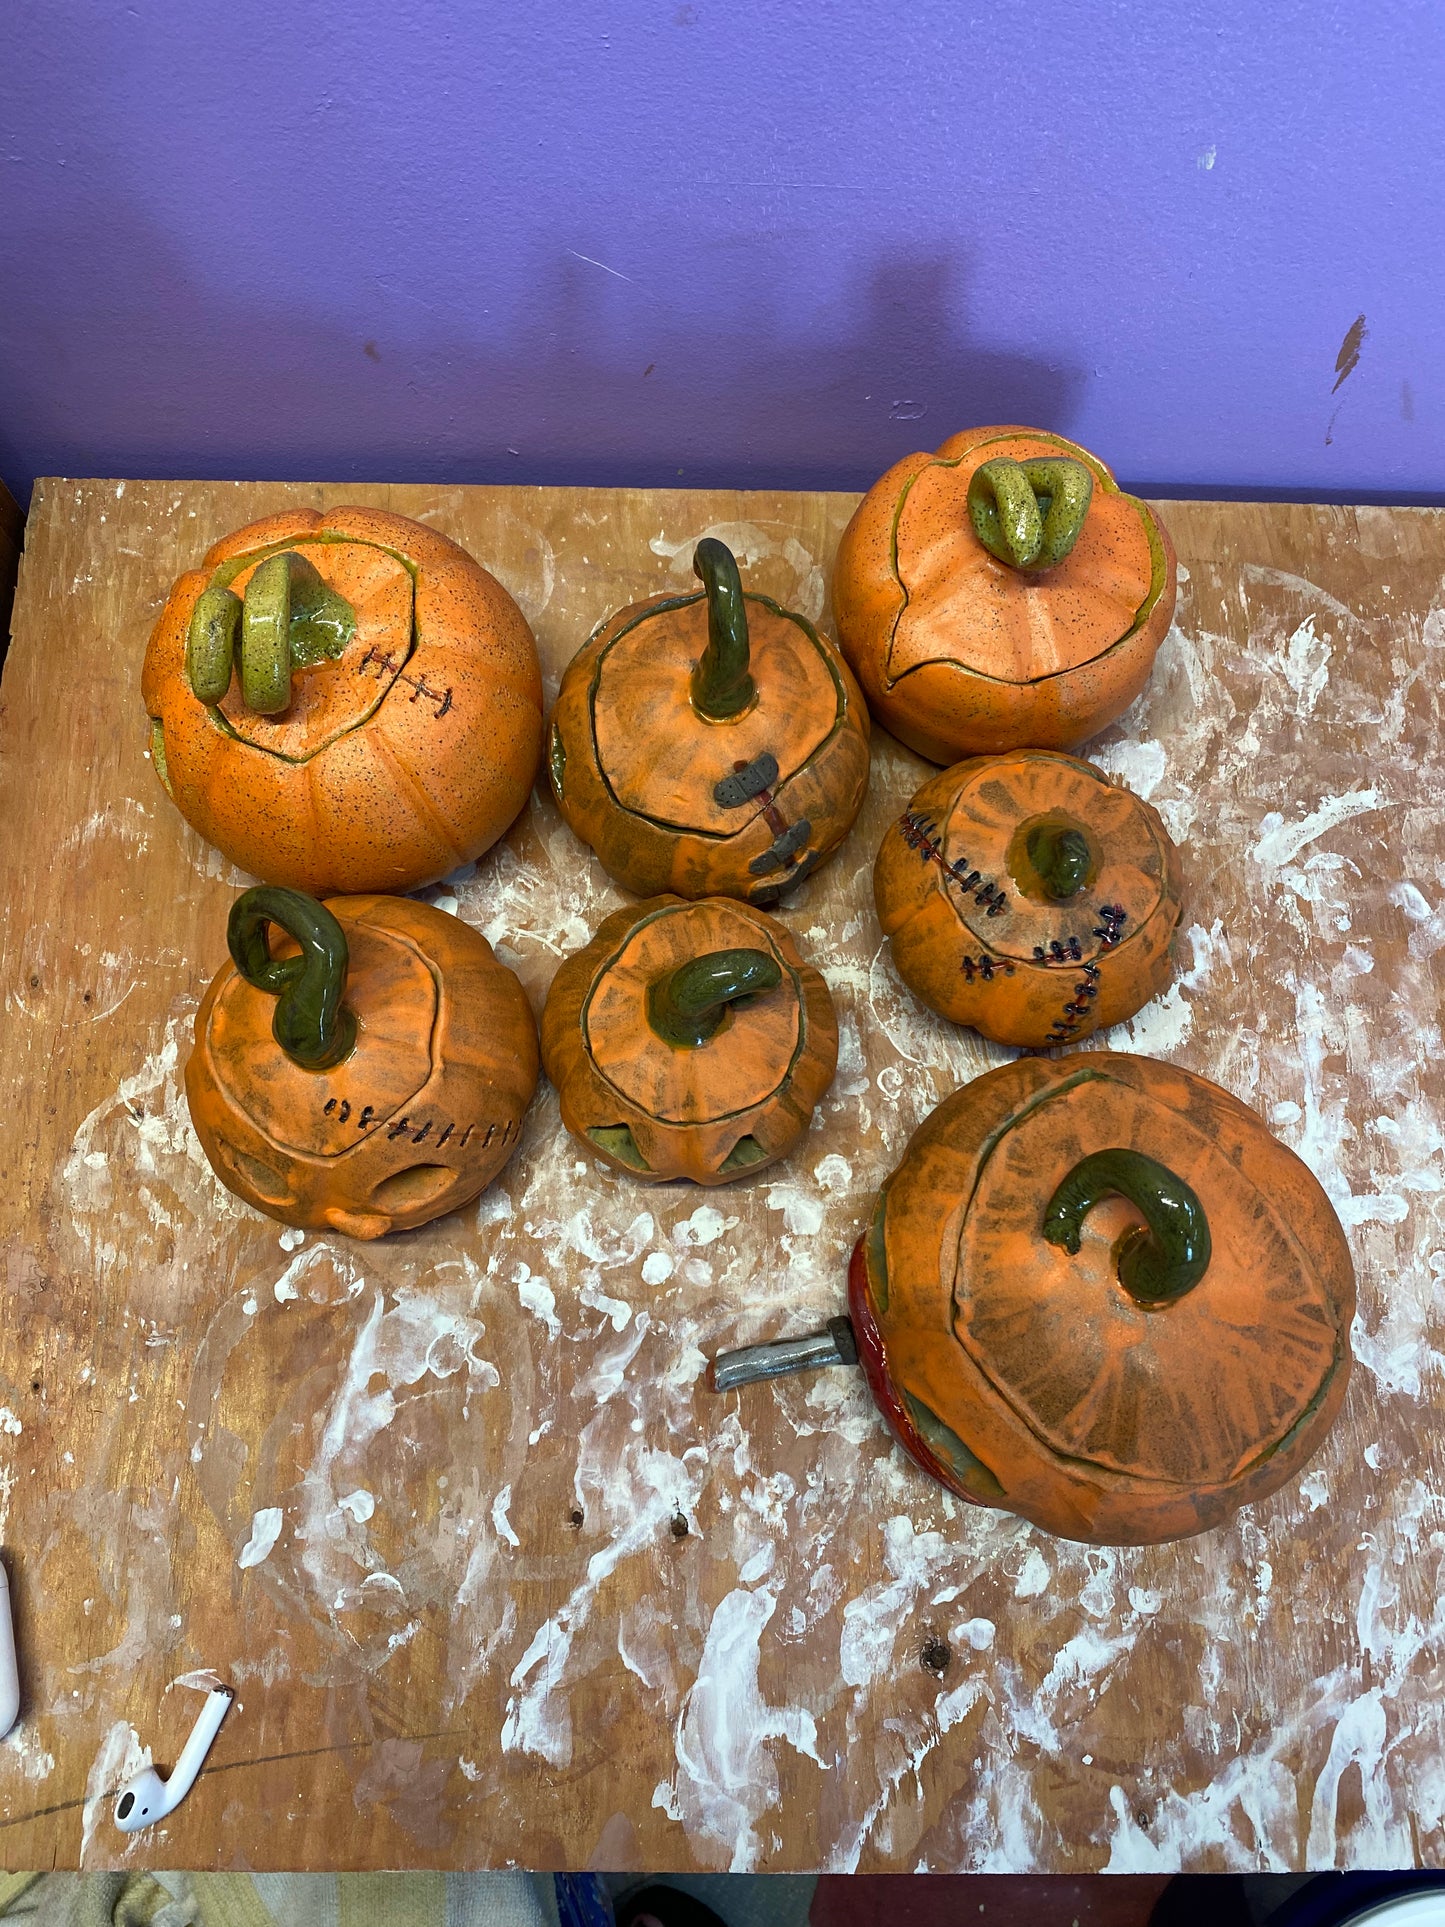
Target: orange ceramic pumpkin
(689, 1040)
(1001, 592)
(382, 722)
(368, 1072)
(1029, 896)
(1098, 1293)
(711, 743)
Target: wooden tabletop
(497, 1580)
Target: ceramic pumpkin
(367, 1072)
(344, 702)
(711, 743)
(1001, 592)
(689, 1040)
(1098, 1293)
(1029, 896)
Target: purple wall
(773, 243)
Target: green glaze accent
(945, 1444)
(158, 756)
(688, 1006)
(1060, 858)
(722, 685)
(557, 758)
(746, 1151)
(1029, 514)
(290, 620)
(877, 1252)
(1156, 1262)
(211, 643)
(312, 1025)
(617, 1140)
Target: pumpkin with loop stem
(1001, 592)
(1030, 897)
(344, 702)
(365, 1073)
(711, 743)
(689, 1040)
(1098, 1292)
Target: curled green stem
(1157, 1261)
(1060, 858)
(687, 1007)
(722, 683)
(288, 619)
(312, 1025)
(1029, 514)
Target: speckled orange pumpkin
(367, 1077)
(689, 1040)
(711, 743)
(383, 724)
(1098, 1293)
(1030, 896)
(1001, 592)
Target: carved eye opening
(254, 1176)
(409, 1190)
(617, 1140)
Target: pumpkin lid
(731, 1068)
(1188, 1387)
(1057, 883)
(963, 603)
(373, 632)
(390, 992)
(671, 755)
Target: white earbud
(9, 1673)
(148, 1798)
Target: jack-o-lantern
(1001, 592)
(1098, 1293)
(366, 1075)
(1029, 896)
(709, 744)
(689, 1040)
(344, 702)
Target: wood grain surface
(497, 1579)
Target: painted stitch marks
(1112, 918)
(920, 833)
(788, 849)
(341, 1110)
(380, 662)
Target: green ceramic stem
(312, 1025)
(1029, 514)
(288, 620)
(722, 685)
(1060, 859)
(1158, 1261)
(687, 1007)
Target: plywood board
(497, 1579)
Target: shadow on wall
(156, 377)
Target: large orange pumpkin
(1098, 1293)
(344, 702)
(711, 743)
(1001, 592)
(367, 1073)
(689, 1040)
(1029, 896)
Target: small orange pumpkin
(711, 743)
(368, 1074)
(1029, 896)
(1096, 1292)
(689, 1040)
(1001, 592)
(344, 702)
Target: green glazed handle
(1029, 514)
(312, 1025)
(687, 1007)
(1158, 1261)
(722, 683)
(288, 619)
(1060, 858)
